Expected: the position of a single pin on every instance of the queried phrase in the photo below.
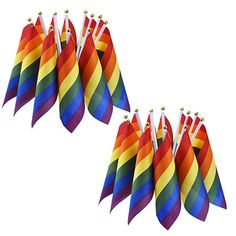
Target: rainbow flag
(125, 166)
(168, 128)
(46, 89)
(193, 191)
(15, 74)
(135, 125)
(96, 93)
(167, 193)
(70, 88)
(29, 68)
(208, 169)
(143, 184)
(111, 172)
(72, 33)
(112, 71)
(39, 28)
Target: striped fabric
(39, 28)
(126, 165)
(72, 33)
(208, 169)
(96, 93)
(112, 71)
(15, 74)
(111, 172)
(168, 128)
(167, 193)
(193, 191)
(70, 88)
(46, 89)
(143, 184)
(29, 68)
(135, 125)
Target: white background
(171, 53)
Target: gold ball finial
(85, 11)
(66, 11)
(125, 117)
(165, 127)
(196, 113)
(40, 13)
(106, 22)
(188, 112)
(100, 16)
(55, 13)
(136, 110)
(202, 119)
(89, 30)
(182, 109)
(151, 110)
(162, 108)
(51, 27)
(185, 127)
(29, 20)
(92, 15)
(147, 125)
(68, 30)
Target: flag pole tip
(202, 119)
(66, 11)
(106, 22)
(68, 30)
(165, 128)
(188, 112)
(55, 13)
(151, 110)
(181, 109)
(196, 113)
(29, 20)
(51, 27)
(185, 127)
(92, 15)
(126, 117)
(147, 124)
(100, 16)
(85, 11)
(40, 13)
(162, 108)
(136, 110)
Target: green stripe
(194, 192)
(16, 70)
(63, 44)
(159, 141)
(166, 192)
(196, 151)
(118, 91)
(124, 169)
(214, 188)
(142, 179)
(29, 71)
(112, 167)
(70, 95)
(100, 53)
(46, 81)
(98, 95)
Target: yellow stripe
(19, 58)
(115, 154)
(68, 81)
(164, 178)
(31, 57)
(101, 46)
(189, 180)
(47, 67)
(159, 134)
(143, 165)
(210, 177)
(128, 154)
(113, 81)
(93, 83)
(197, 143)
(63, 36)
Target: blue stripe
(45, 95)
(73, 107)
(199, 202)
(110, 179)
(102, 106)
(219, 197)
(13, 83)
(123, 181)
(169, 204)
(123, 100)
(141, 192)
(26, 85)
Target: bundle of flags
(150, 163)
(79, 70)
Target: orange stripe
(206, 164)
(118, 142)
(104, 38)
(34, 43)
(110, 66)
(21, 45)
(163, 164)
(129, 141)
(201, 135)
(66, 68)
(89, 68)
(47, 54)
(185, 166)
(143, 152)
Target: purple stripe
(203, 214)
(107, 116)
(45, 107)
(106, 192)
(124, 193)
(9, 95)
(139, 206)
(76, 118)
(172, 216)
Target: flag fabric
(208, 169)
(125, 166)
(167, 193)
(135, 125)
(46, 89)
(143, 184)
(29, 68)
(111, 172)
(39, 28)
(193, 192)
(70, 88)
(15, 74)
(96, 93)
(112, 71)
(168, 129)
(72, 33)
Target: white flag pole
(100, 33)
(154, 135)
(194, 120)
(56, 31)
(96, 27)
(163, 122)
(67, 25)
(197, 129)
(177, 129)
(138, 120)
(42, 23)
